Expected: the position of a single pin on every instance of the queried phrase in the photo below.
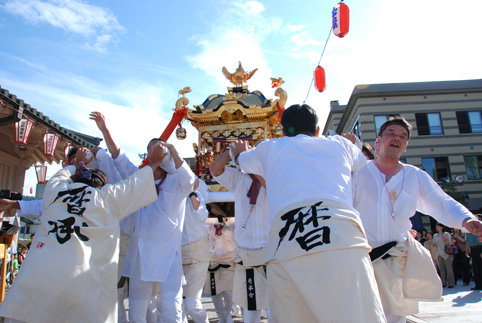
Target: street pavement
(213, 318)
(460, 304)
(208, 306)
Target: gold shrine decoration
(276, 82)
(282, 95)
(232, 112)
(239, 76)
(237, 115)
(232, 132)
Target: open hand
(99, 120)
(196, 184)
(166, 144)
(81, 155)
(413, 233)
(473, 226)
(239, 146)
(6, 205)
(350, 136)
(156, 154)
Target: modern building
(447, 127)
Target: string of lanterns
(340, 25)
(23, 130)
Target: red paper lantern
(320, 82)
(50, 143)
(340, 19)
(41, 171)
(23, 128)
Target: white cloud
(101, 43)
(73, 16)
(237, 36)
(251, 7)
(305, 39)
(293, 28)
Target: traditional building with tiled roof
(15, 159)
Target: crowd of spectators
(456, 255)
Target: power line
(313, 79)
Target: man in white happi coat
(251, 215)
(195, 252)
(386, 194)
(70, 274)
(154, 254)
(317, 253)
(220, 279)
(103, 160)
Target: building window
(428, 124)
(473, 166)
(356, 129)
(437, 167)
(469, 122)
(379, 120)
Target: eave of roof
(76, 137)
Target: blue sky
(129, 59)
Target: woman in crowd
(444, 260)
(430, 245)
(461, 262)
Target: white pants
(194, 307)
(251, 316)
(140, 293)
(255, 316)
(153, 309)
(329, 286)
(121, 309)
(223, 308)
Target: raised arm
(435, 202)
(217, 166)
(99, 119)
(135, 192)
(156, 155)
(175, 155)
(353, 139)
(194, 196)
(106, 164)
(201, 212)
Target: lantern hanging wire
(313, 79)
